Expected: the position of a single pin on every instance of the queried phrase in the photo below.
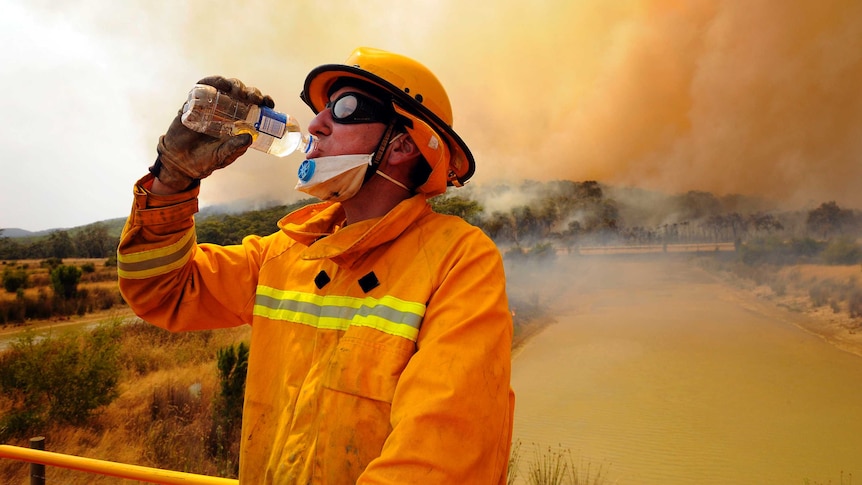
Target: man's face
(343, 139)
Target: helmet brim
(315, 94)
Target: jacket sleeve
(452, 411)
(171, 281)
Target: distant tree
(828, 219)
(696, 205)
(499, 226)
(524, 223)
(94, 241)
(60, 244)
(569, 237)
(457, 205)
(764, 223)
(9, 249)
(737, 225)
(547, 214)
(590, 189)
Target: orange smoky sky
(751, 97)
(755, 97)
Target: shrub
(64, 379)
(14, 279)
(805, 247)
(556, 467)
(88, 268)
(227, 410)
(65, 280)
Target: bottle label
(271, 122)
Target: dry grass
(828, 296)
(162, 416)
(39, 277)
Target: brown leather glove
(186, 156)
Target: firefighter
(380, 332)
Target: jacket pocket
(355, 408)
(368, 368)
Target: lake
(661, 374)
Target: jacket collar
(317, 227)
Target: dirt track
(9, 332)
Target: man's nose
(321, 124)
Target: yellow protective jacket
(380, 352)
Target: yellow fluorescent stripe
(343, 301)
(159, 261)
(327, 323)
(387, 314)
(158, 252)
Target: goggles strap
(381, 149)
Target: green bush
(64, 379)
(65, 280)
(14, 279)
(88, 268)
(227, 409)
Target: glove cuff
(169, 172)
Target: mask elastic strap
(387, 177)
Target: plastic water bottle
(214, 113)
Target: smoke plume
(758, 97)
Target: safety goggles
(353, 107)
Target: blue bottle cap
(306, 170)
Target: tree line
(559, 213)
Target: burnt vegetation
(564, 215)
(531, 222)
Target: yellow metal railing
(110, 468)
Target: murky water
(662, 375)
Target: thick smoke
(757, 97)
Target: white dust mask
(333, 178)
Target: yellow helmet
(416, 95)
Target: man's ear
(403, 149)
